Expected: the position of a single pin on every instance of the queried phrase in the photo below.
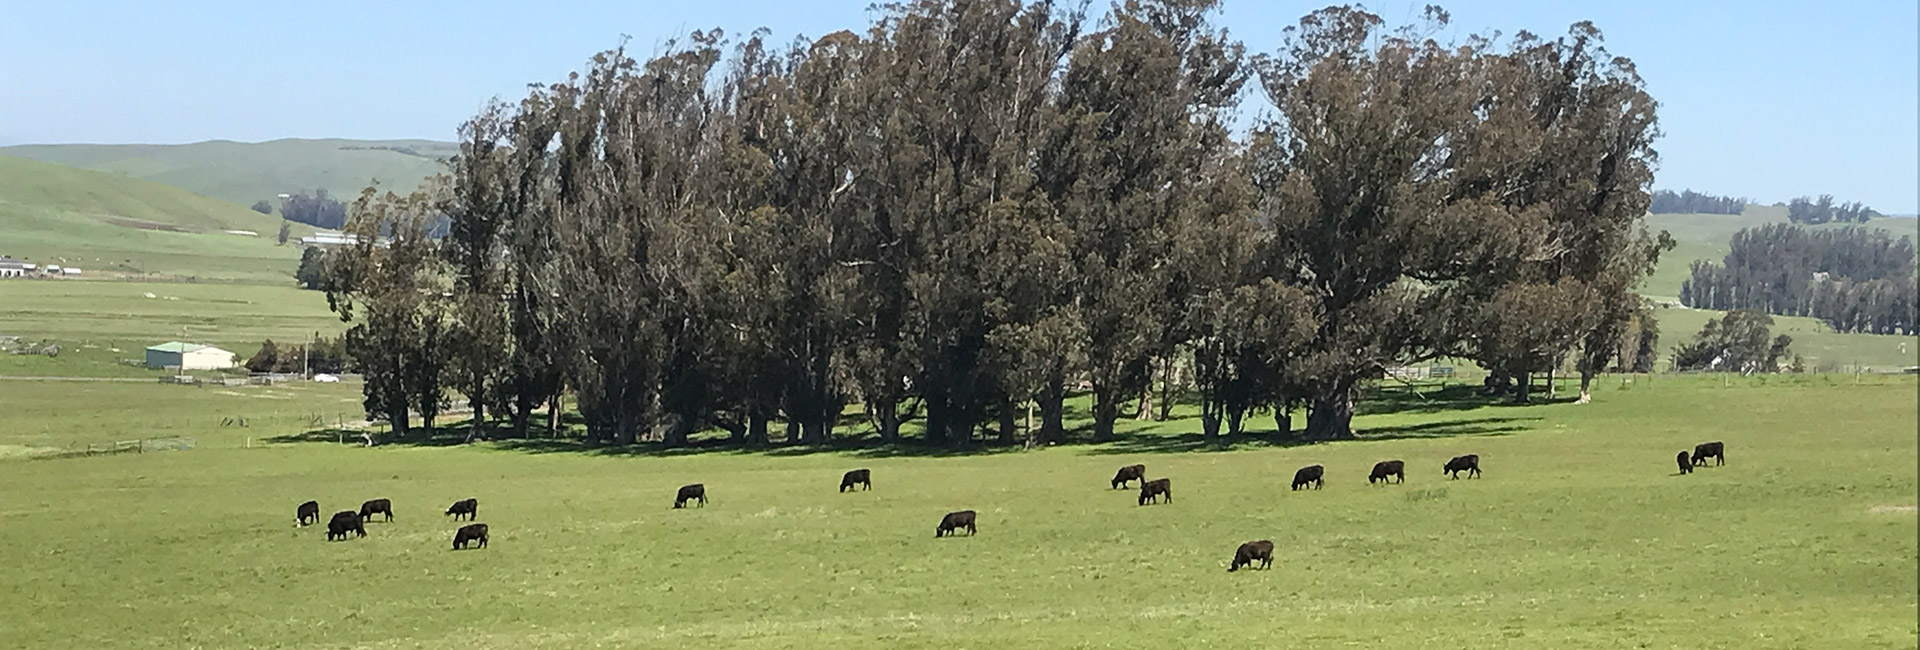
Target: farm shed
(12, 268)
(189, 356)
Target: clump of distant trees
(312, 273)
(317, 210)
(1824, 210)
(263, 207)
(1856, 279)
(1742, 341)
(323, 356)
(959, 213)
(1691, 202)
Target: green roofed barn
(189, 356)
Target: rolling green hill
(1705, 237)
(244, 172)
(108, 224)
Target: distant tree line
(324, 356)
(1691, 202)
(1856, 279)
(318, 210)
(1742, 341)
(957, 216)
(1823, 210)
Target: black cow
(1469, 463)
(859, 477)
(1686, 464)
(345, 521)
(689, 493)
(1388, 468)
(1309, 474)
(1250, 552)
(470, 533)
(1715, 449)
(468, 507)
(1129, 473)
(307, 513)
(376, 507)
(1151, 491)
(951, 524)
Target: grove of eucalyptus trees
(973, 207)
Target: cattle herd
(1152, 491)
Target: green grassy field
(1821, 348)
(244, 172)
(1580, 535)
(120, 315)
(110, 225)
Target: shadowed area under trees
(967, 209)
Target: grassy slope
(1578, 536)
(118, 314)
(107, 224)
(247, 172)
(1706, 237)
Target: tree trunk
(1234, 417)
(1145, 412)
(399, 422)
(1008, 426)
(793, 429)
(756, 428)
(937, 416)
(1331, 416)
(889, 413)
(1586, 387)
(1550, 373)
(1105, 413)
(474, 425)
(1053, 413)
(554, 404)
(522, 415)
(813, 431)
(1169, 376)
(1210, 421)
(1283, 422)
(1523, 392)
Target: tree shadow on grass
(1388, 400)
(1192, 442)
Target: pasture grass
(118, 314)
(1820, 347)
(1580, 534)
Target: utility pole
(306, 358)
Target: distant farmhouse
(12, 268)
(189, 356)
(326, 238)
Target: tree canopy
(970, 208)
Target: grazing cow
(470, 533)
(308, 513)
(1469, 463)
(859, 477)
(1129, 473)
(345, 521)
(689, 493)
(1686, 465)
(951, 524)
(1715, 449)
(1151, 491)
(1309, 474)
(376, 507)
(468, 507)
(1388, 468)
(1250, 552)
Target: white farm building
(189, 356)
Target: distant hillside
(1705, 237)
(108, 224)
(243, 172)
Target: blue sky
(1769, 99)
